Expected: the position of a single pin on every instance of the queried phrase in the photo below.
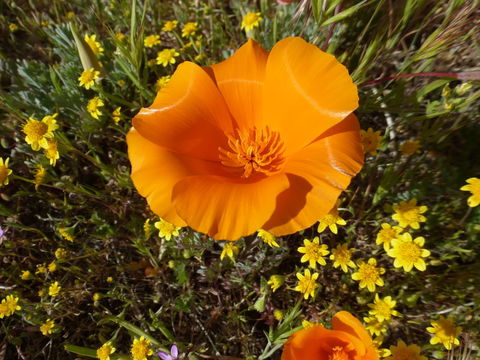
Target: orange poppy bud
(348, 340)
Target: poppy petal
(188, 116)
(226, 209)
(318, 174)
(155, 171)
(240, 80)
(306, 92)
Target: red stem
(332, 27)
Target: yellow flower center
(307, 285)
(338, 353)
(254, 151)
(369, 273)
(342, 256)
(383, 309)
(411, 215)
(313, 251)
(408, 252)
(35, 130)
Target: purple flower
(172, 356)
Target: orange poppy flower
(348, 340)
(262, 140)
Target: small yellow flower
(342, 256)
(167, 56)
(37, 132)
(116, 115)
(88, 77)
(140, 349)
(369, 274)
(47, 327)
(96, 47)
(70, 15)
(8, 306)
(251, 20)
(189, 29)
(387, 234)
(51, 152)
(307, 324)
(104, 351)
(445, 332)
(473, 185)
(162, 82)
(374, 326)
(166, 230)
(383, 309)
(52, 267)
(25, 275)
(307, 283)
(463, 88)
(170, 25)
(119, 36)
(109, 279)
(96, 296)
(331, 220)
(405, 352)
(278, 314)
(409, 214)
(410, 147)
(13, 27)
(229, 249)
(39, 175)
(382, 352)
(151, 40)
(93, 105)
(41, 269)
(61, 253)
(370, 140)
(313, 252)
(41, 292)
(65, 234)
(54, 289)
(408, 252)
(268, 238)
(276, 281)
(5, 172)
(121, 83)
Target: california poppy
(348, 340)
(262, 140)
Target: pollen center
(35, 129)
(255, 150)
(338, 353)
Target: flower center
(369, 272)
(36, 129)
(254, 151)
(410, 252)
(338, 354)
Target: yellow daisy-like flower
(313, 252)
(140, 349)
(54, 289)
(342, 256)
(52, 267)
(39, 174)
(170, 25)
(162, 82)
(88, 77)
(410, 147)
(473, 185)
(151, 40)
(47, 327)
(70, 15)
(409, 214)
(444, 332)
(276, 281)
(119, 36)
(104, 351)
(278, 314)
(38, 131)
(408, 252)
(96, 47)
(375, 326)
(5, 172)
(116, 115)
(94, 105)
(9, 305)
(387, 234)
(229, 249)
(307, 283)
(51, 152)
(369, 274)
(65, 234)
(61, 253)
(268, 238)
(331, 220)
(383, 309)
(189, 29)
(370, 140)
(41, 269)
(25, 275)
(251, 20)
(405, 352)
(166, 230)
(13, 27)
(166, 56)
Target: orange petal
(306, 92)
(240, 80)
(318, 174)
(226, 209)
(188, 116)
(156, 170)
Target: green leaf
(346, 13)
